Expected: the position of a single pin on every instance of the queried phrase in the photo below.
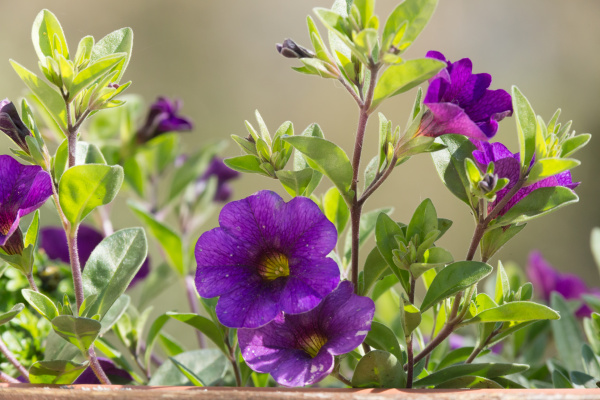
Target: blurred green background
(219, 57)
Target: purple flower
(460, 102)
(116, 375)
(23, 189)
(507, 165)
(12, 125)
(223, 173)
(299, 350)
(163, 117)
(53, 241)
(546, 279)
(267, 256)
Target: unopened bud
(290, 49)
(488, 182)
(12, 125)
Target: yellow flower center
(311, 344)
(273, 266)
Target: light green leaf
(335, 209)
(423, 221)
(57, 372)
(454, 278)
(85, 187)
(458, 356)
(170, 241)
(573, 144)
(327, 158)
(516, 311)
(112, 266)
(204, 325)
(119, 41)
(366, 228)
(379, 369)
(114, 313)
(386, 231)
(45, 27)
(469, 382)
(382, 338)
(450, 164)
(547, 167)
(416, 13)
(403, 77)
(295, 182)
(187, 373)
(502, 285)
(375, 269)
(153, 334)
(208, 365)
(9, 315)
(567, 334)
(526, 126)
(487, 370)
(94, 72)
(85, 153)
(80, 332)
(47, 96)
(247, 164)
(41, 303)
(537, 203)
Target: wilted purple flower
(299, 350)
(546, 279)
(53, 241)
(460, 102)
(23, 189)
(116, 375)
(223, 173)
(12, 125)
(267, 256)
(507, 165)
(163, 117)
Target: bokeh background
(219, 57)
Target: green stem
(233, 361)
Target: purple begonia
(116, 375)
(546, 279)
(299, 350)
(507, 165)
(163, 117)
(53, 241)
(223, 173)
(23, 189)
(267, 256)
(12, 125)
(460, 102)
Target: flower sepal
(19, 251)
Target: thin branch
(352, 92)
(95, 365)
(7, 378)
(193, 300)
(13, 360)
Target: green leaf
(300, 163)
(204, 325)
(114, 313)
(403, 77)
(567, 334)
(187, 373)
(547, 167)
(41, 303)
(458, 356)
(112, 266)
(170, 241)
(47, 96)
(516, 311)
(450, 164)
(454, 278)
(94, 72)
(45, 28)
(335, 209)
(9, 315)
(375, 269)
(170, 346)
(386, 231)
(381, 337)
(208, 365)
(365, 229)
(487, 370)
(57, 372)
(537, 203)
(573, 144)
(469, 382)
(502, 285)
(493, 240)
(85, 187)
(153, 334)
(527, 126)
(379, 369)
(416, 13)
(119, 41)
(423, 221)
(327, 158)
(591, 364)
(295, 182)
(156, 282)
(560, 381)
(246, 164)
(80, 332)
(595, 244)
(85, 153)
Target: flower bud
(488, 182)
(290, 49)
(12, 125)
(14, 244)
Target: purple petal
(437, 55)
(474, 88)
(460, 72)
(445, 118)
(493, 105)
(543, 277)
(303, 370)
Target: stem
(32, 282)
(351, 91)
(232, 360)
(75, 266)
(337, 375)
(435, 314)
(13, 360)
(480, 348)
(7, 378)
(379, 179)
(193, 300)
(97, 368)
(355, 207)
(409, 342)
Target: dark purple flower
(12, 125)
(163, 117)
(53, 241)
(299, 350)
(23, 189)
(116, 375)
(546, 279)
(267, 256)
(223, 173)
(460, 102)
(507, 165)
